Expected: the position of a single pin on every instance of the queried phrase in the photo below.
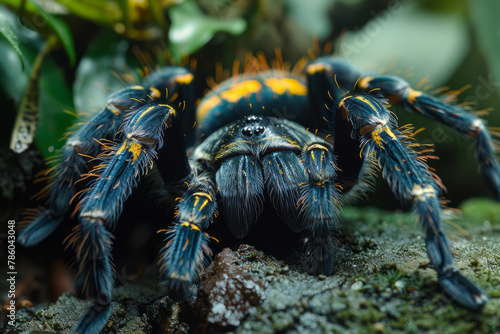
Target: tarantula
(242, 154)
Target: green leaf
(485, 14)
(125, 10)
(26, 122)
(62, 31)
(54, 94)
(410, 42)
(7, 31)
(41, 113)
(98, 71)
(191, 29)
(56, 108)
(97, 11)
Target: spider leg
(320, 206)
(174, 85)
(103, 203)
(81, 144)
(400, 92)
(413, 185)
(186, 251)
(331, 71)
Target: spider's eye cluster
(253, 127)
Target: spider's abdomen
(271, 93)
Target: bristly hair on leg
(183, 258)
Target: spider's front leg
(399, 92)
(412, 183)
(102, 205)
(81, 144)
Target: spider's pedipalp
(241, 191)
(283, 173)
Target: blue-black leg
(413, 185)
(320, 206)
(241, 192)
(333, 74)
(175, 86)
(186, 251)
(327, 78)
(118, 174)
(95, 278)
(81, 144)
(399, 92)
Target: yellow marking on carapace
(196, 201)
(136, 150)
(155, 92)
(413, 94)
(315, 68)
(116, 112)
(122, 148)
(207, 105)
(282, 85)
(186, 244)
(203, 205)
(312, 156)
(363, 83)
(144, 113)
(184, 79)
(240, 90)
(362, 99)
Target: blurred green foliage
(105, 44)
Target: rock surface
(383, 283)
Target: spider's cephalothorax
(246, 153)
